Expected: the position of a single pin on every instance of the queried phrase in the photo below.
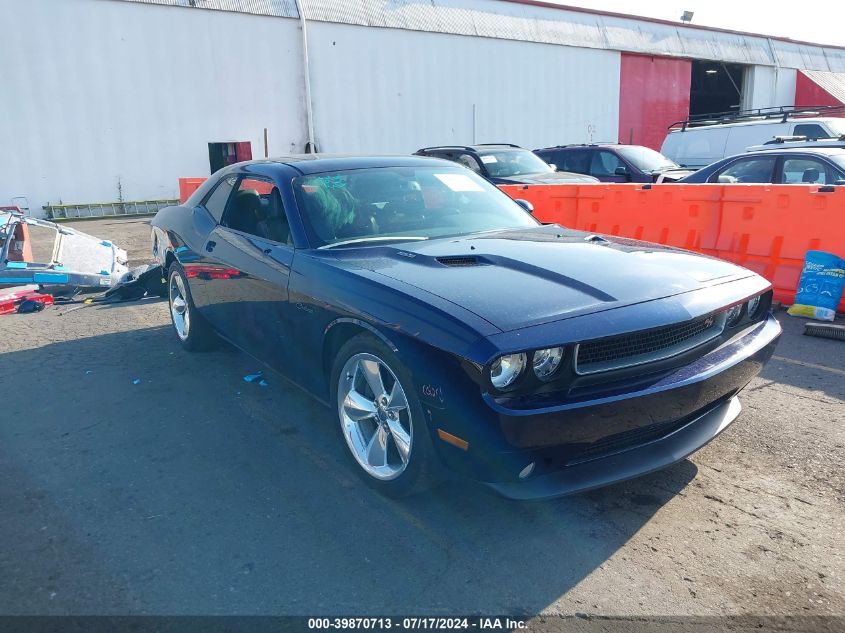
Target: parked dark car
(810, 166)
(614, 163)
(504, 164)
(445, 326)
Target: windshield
(839, 159)
(504, 163)
(646, 159)
(837, 127)
(401, 204)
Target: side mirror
(621, 171)
(525, 205)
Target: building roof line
(700, 27)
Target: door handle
(210, 246)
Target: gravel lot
(194, 492)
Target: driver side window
(256, 209)
(748, 170)
(605, 164)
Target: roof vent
(460, 260)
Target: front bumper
(596, 440)
(629, 463)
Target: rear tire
(380, 419)
(191, 329)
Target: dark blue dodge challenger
(451, 331)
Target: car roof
(473, 148)
(320, 163)
(824, 151)
(721, 126)
(577, 145)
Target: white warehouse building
(114, 100)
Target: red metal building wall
(653, 93)
(809, 93)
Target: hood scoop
(459, 261)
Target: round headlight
(506, 369)
(734, 314)
(753, 306)
(546, 361)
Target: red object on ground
(809, 94)
(654, 92)
(9, 301)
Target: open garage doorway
(715, 87)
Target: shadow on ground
(807, 362)
(195, 492)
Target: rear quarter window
(215, 202)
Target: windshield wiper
(381, 238)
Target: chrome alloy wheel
(374, 416)
(179, 306)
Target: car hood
(552, 177)
(519, 278)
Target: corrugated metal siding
(513, 21)
(654, 92)
(181, 84)
(832, 83)
(396, 91)
(278, 8)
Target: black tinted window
(216, 200)
(810, 130)
(576, 160)
(605, 164)
(256, 209)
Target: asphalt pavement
(195, 492)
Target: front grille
(637, 348)
(626, 440)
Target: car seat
(811, 175)
(247, 212)
(274, 225)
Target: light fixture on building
(710, 71)
(687, 16)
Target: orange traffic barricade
(767, 228)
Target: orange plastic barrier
(187, 186)
(767, 228)
(20, 250)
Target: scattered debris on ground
(825, 330)
(23, 299)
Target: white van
(705, 144)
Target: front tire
(192, 330)
(380, 418)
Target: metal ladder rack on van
(758, 114)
